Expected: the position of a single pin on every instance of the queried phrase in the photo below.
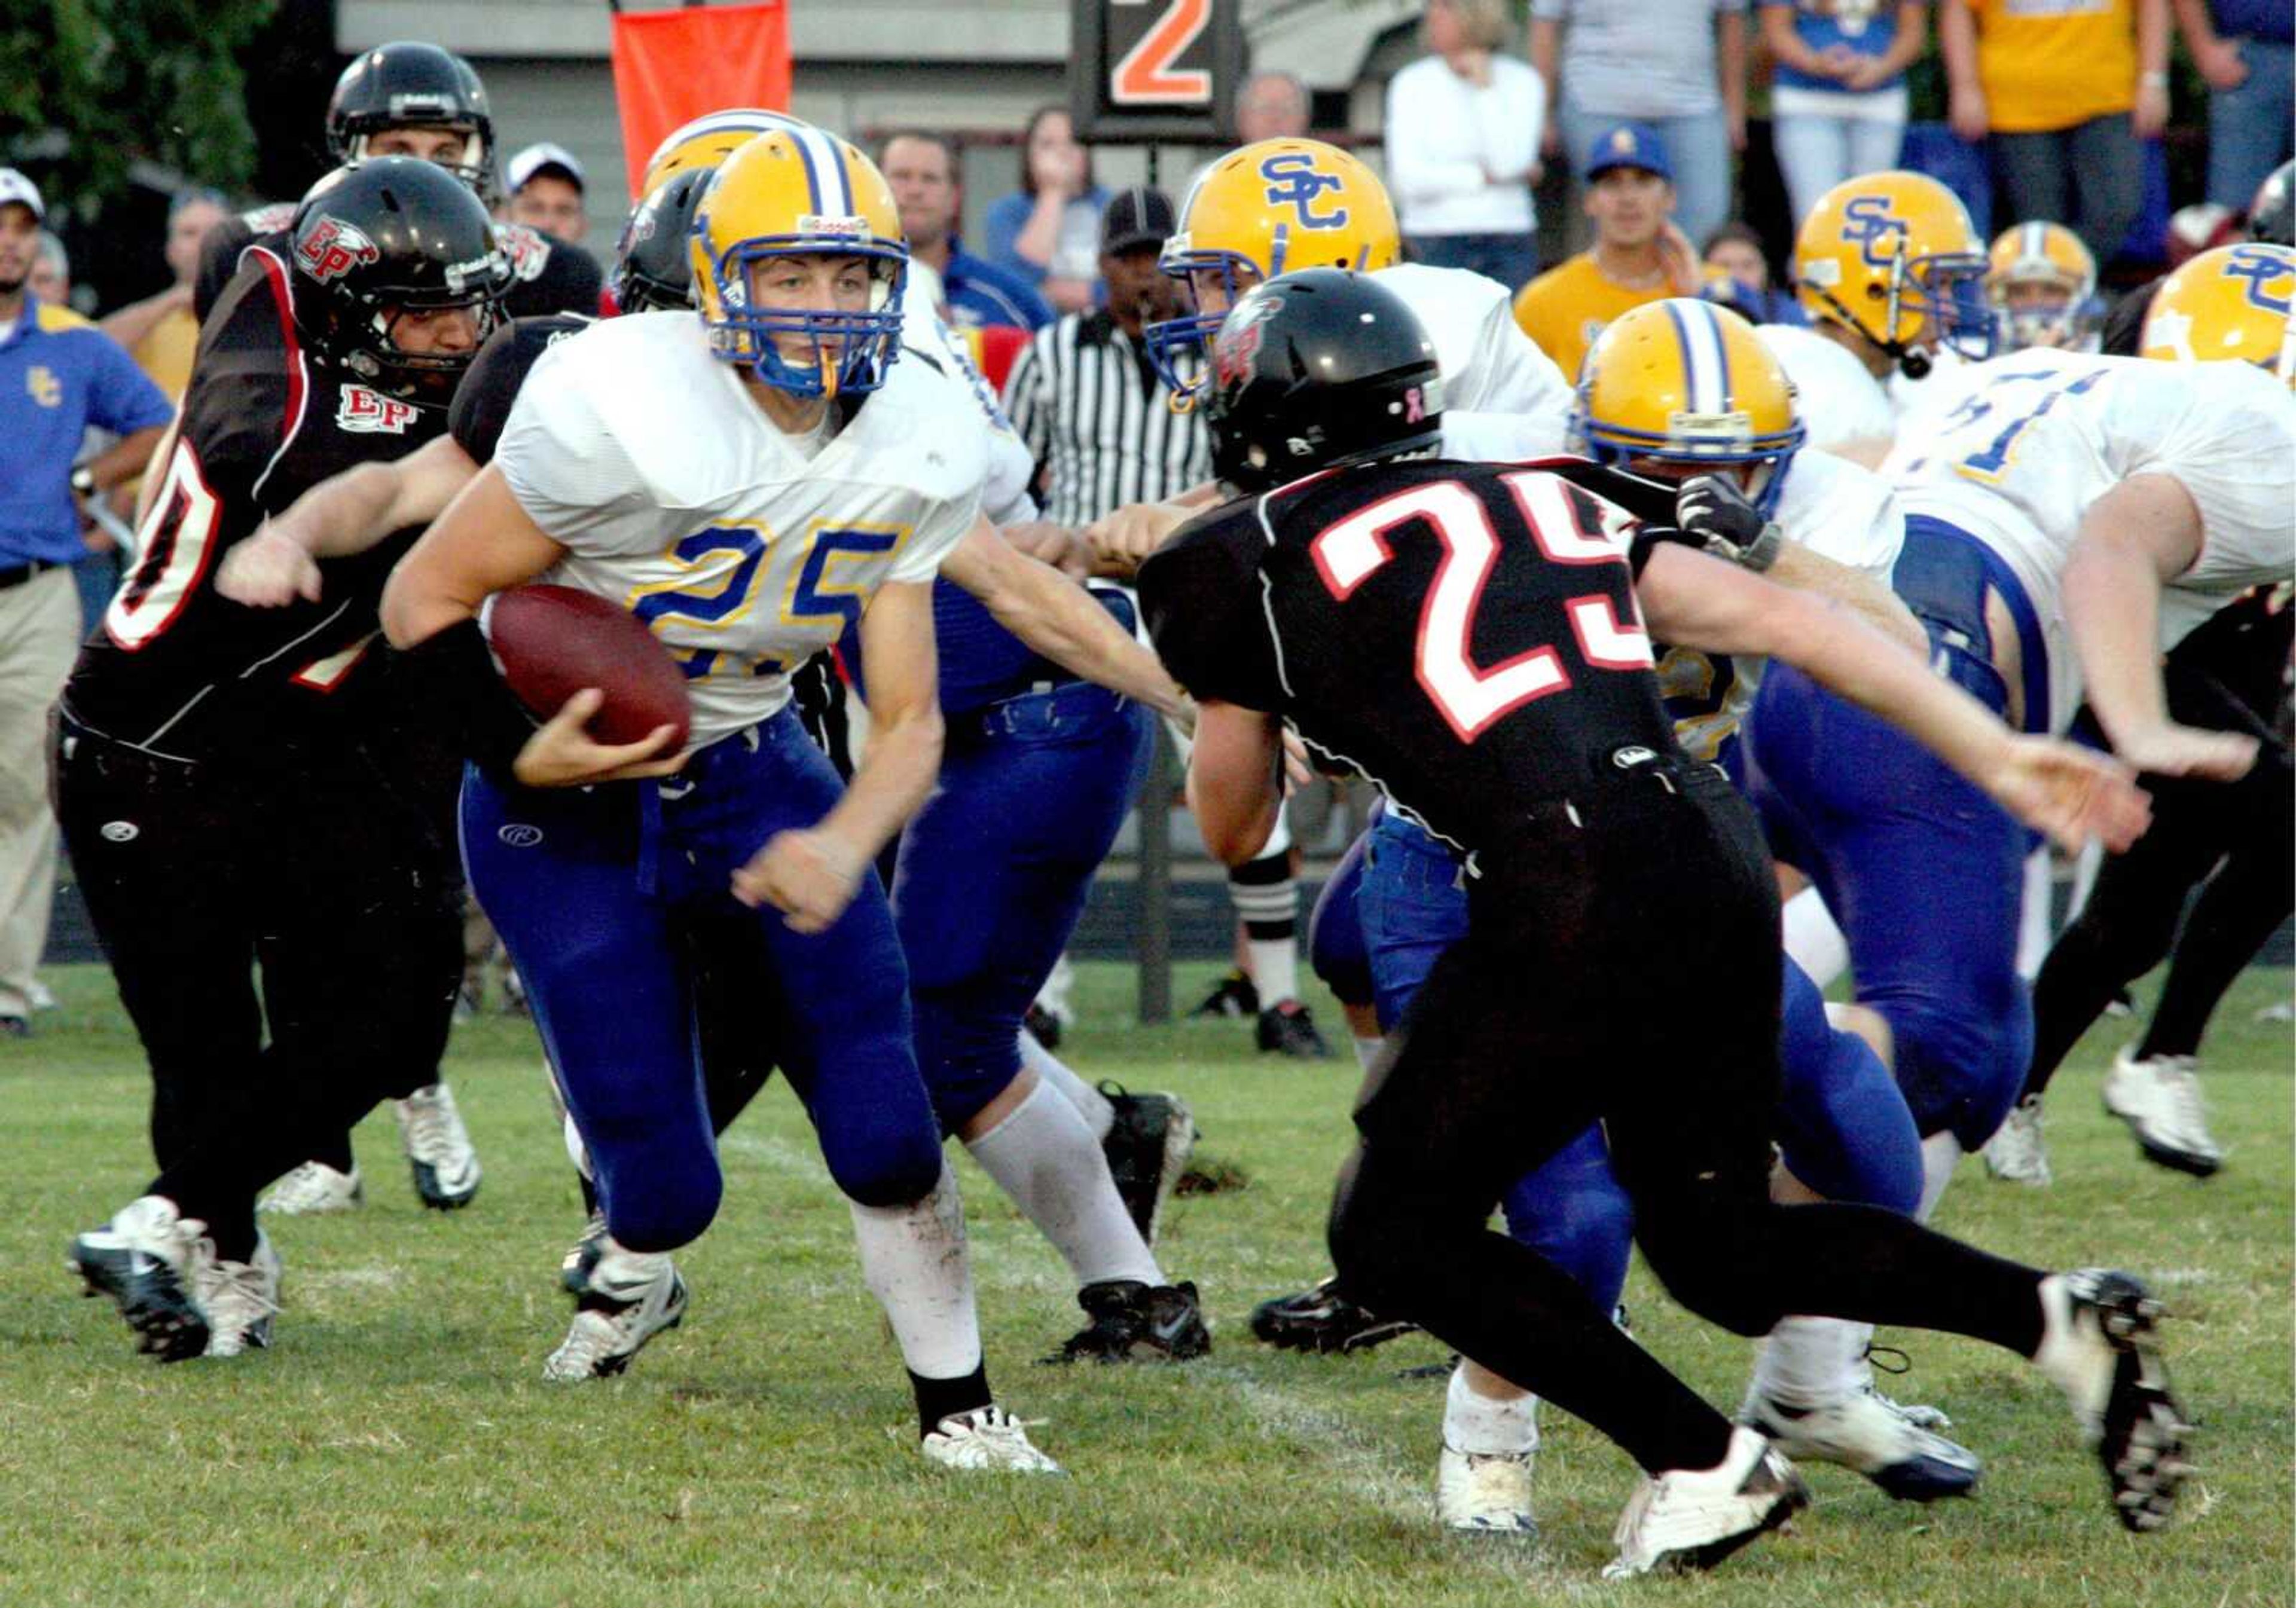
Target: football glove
(1724, 521)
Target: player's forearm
(2112, 612)
(1060, 620)
(1233, 789)
(902, 760)
(343, 515)
(484, 542)
(1814, 573)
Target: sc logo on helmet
(1867, 221)
(1294, 180)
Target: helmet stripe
(1279, 245)
(1704, 370)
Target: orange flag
(673, 66)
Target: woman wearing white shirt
(1463, 131)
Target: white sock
(2067, 1359)
(1487, 1427)
(1044, 1157)
(1367, 1051)
(1941, 1153)
(2034, 930)
(1813, 940)
(622, 1273)
(1057, 998)
(913, 1260)
(1811, 1361)
(1091, 1104)
(1275, 966)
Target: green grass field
(397, 1445)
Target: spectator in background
(1838, 96)
(1638, 255)
(922, 170)
(1048, 232)
(1272, 105)
(162, 333)
(58, 374)
(2243, 51)
(1463, 134)
(2064, 93)
(1677, 65)
(1738, 277)
(546, 191)
(51, 278)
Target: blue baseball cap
(1627, 145)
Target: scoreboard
(1155, 70)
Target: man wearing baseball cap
(547, 189)
(58, 374)
(1638, 254)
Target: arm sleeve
(122, 398)
(1202, 599)
(569, 474)
(2233, 451)
(941, 530)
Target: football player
(1890, 272)
(409, 98)
(2230, 673)
(1472, 636)
(1094, 1177)
(756, 478)
(2041, 282)
(238, 798)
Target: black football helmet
(410, 84)
(2271, 215)
(653, 269)
(374, 242)
(1317, 370)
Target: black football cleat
(150, 1260)
(1287, 1028)
(1233, 995)
(1147, 1150)
(1134, 1322)
(1323, 1320)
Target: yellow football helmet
(1893, 256)
(1684, 381)
(2041, 282)
(709, 140)
(2231, 303)
(1268, 208)
(799, 192)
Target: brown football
(552, 641)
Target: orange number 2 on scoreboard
(1146, 76)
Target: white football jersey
(677, 499)
(1005, 497)
(1839, 400)
(2044, 435)
(1489, 365)
(1839, 511)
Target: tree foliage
(91, 87)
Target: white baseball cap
(16, 188)
(534, 159)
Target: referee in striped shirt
(1085, 399)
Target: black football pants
(1623, 969)
(303, 892)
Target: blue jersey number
(1988, 463)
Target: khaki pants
(39, 633)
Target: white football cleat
(1488, 1491)
(437, 1149)
(1694, 1518)
(986, 1438)
(2160, 1099)
(2014, 1154)
(2098, 1346)
(152, 1262)
(1865, 1431)
(631, 1297)
(312, 1188)
(241, 1298)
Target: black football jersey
(174, 666)
(483, 399)
(548, 276)
(1465, 634)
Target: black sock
(939, 1398)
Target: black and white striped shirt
(1084, 398)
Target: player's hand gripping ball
(552, 641)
